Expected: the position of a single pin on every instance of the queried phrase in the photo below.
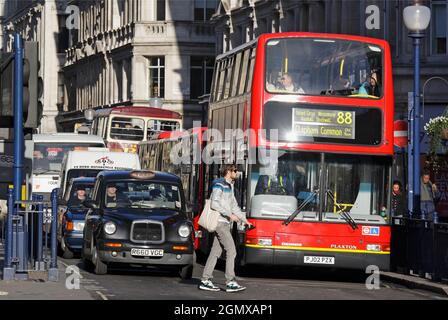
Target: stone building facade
(239, 21)
(126, 52)
(40, 21)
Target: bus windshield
(322, 186)
(127, 128)
(324, 67)
(47, 157)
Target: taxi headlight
(110, 227)
(184, 231)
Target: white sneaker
(208, 285)
(233, 286)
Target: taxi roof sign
(142, 174)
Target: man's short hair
(425, 172)
(226, 168)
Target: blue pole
(8, 251)
(410, 153)
(416, 134)
(40, 228)
(53, 274)
(54, 228)
(18, 117)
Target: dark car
(71, 216)
(138, 218)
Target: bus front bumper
(287, 257)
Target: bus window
(279, 188)
(324, 67)
(356, 185)
(127, 129)
(156, 126)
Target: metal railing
(420, 247)
(30, 244)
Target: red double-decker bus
(320, 108)
(158, 154)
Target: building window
(161, 10)
(200, 68)
(204, 9)
(63, 35)
(157, 77)
(439, 28)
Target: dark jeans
(427, 208)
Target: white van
(89, 163)
(48, 154)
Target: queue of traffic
(109, 210)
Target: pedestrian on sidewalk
(223, 201)
(429, 195)
(398, 204)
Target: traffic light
(32, 87)
(6, 90)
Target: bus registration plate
(318, 260)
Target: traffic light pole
(18, 117)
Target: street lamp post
(89, 114)
(416, 19)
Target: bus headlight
(184, 231)
(110, 228)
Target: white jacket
(223, 200)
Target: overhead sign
(401, 133)
(336, 124)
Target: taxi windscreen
(142, 194)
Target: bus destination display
(334, 124)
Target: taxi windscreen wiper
(300, 208)
(345, 215)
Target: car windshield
(142, 194)
(357, 186)
(79, 192)
(47, 157)
(324, 67)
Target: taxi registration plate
(147, 252)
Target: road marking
(101, 295)
(3, 293)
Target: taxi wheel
(186, 273)
(88, 265)
(100, 267)
(68, 254)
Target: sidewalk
(39, 289)
(415, 282)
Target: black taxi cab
(138, 218)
